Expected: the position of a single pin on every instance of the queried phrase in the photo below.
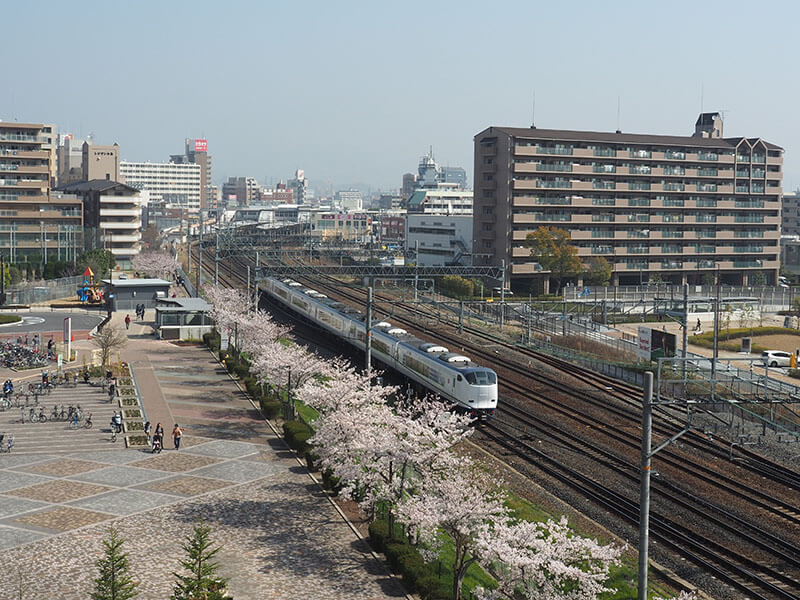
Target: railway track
(757, 579)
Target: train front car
(477, 389)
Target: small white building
(439, 239)
(439, 226)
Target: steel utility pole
(685, 330)
(644, 490)
(368, 337)
(216, 260)
(199, 258)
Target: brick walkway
(280, 535)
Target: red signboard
(201, 145)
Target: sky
(357, 92)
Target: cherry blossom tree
(228, 307)
(462, 503)
(544, 561)
(256, 329)
(155, 264)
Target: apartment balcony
(40, 154)
(526, 268)
(23, 169)
(50, 217)
(519, 151)
(519, 252)
(122, 238)
(120, 212)
(109, 225)
(23, 138)
(129, 251)
(25, 184)
(774, 160)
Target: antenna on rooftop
(701, 97)
(533, 111)
(618, 112)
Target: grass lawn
(6, 319)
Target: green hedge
(212, 340)
(330, 482)
(406, 560)
(5, 319)
(297, 434)
(270, 408)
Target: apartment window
(488, 210)
(488, 227)
(487, 244)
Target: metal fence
(770, 298)
(42, 291)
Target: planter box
(136, 441)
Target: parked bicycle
(33, 417)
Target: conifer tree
(202, 582)
(114, 582)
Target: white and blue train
(448, 374)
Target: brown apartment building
(36, 224)
(687, 209)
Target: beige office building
(675, 208)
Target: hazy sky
(358, 91)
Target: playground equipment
(90, 292)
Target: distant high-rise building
(455, 175)
(196, 153)
(169, 184)
(430, 175)
(409, 185)
(299, 186)
(69, 156)
(99, 162)
(790, 214)
(241, 191)
(349, 200)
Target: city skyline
(358, 92)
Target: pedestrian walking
(127, 321)
(148, 428)
(177, 432)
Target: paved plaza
(280, 535)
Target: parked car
(776, 358)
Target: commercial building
(679, 208)
(241, 191)
(196, 153)
(36, 224)
(169, 184)
(438, 238)
(348, 200)
(338, 226)
(445, 199)
(439, 225)
(99, 162)
(112, 216)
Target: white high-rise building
(169, 184)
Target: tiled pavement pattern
(56, 436)
(280, 536)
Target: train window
(481, 377)
(460, 378)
